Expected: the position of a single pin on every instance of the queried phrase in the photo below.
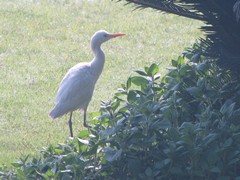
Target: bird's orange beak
(117, 35)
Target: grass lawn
(40, 40)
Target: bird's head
(102, 36)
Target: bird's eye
(105, 35)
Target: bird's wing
(76, 88)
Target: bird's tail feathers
(55, 113)
(52, 114)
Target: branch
(236, 10)
(169, 8)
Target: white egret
(77, 86)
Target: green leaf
(210, 138)
(146, 69)
(17, 164)
(228, 108)
(94, 122)
(175, 87)
(139, 81)
(131, 97)
(185, 70)
(174, 63)
(141, 72)
(49, 174)
(203, 67)
(108, 132)
(95, 114)
(115, 104)
(153, 69)
(91, 151)
(128, 83)
(123, 109)
(180, 61)
(123, 86)
(196, 57)
(83, 133)
(164, 124)
(112, 154)
(194, 91)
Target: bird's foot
(87, 126)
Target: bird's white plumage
(75, 90)
(77, 86)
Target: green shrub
(184, 125)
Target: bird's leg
(70, 124)
(85, 117)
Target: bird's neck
(98, 61)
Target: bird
(77, 86)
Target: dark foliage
(184, 125)
(222, 24)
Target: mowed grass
(41, 40)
